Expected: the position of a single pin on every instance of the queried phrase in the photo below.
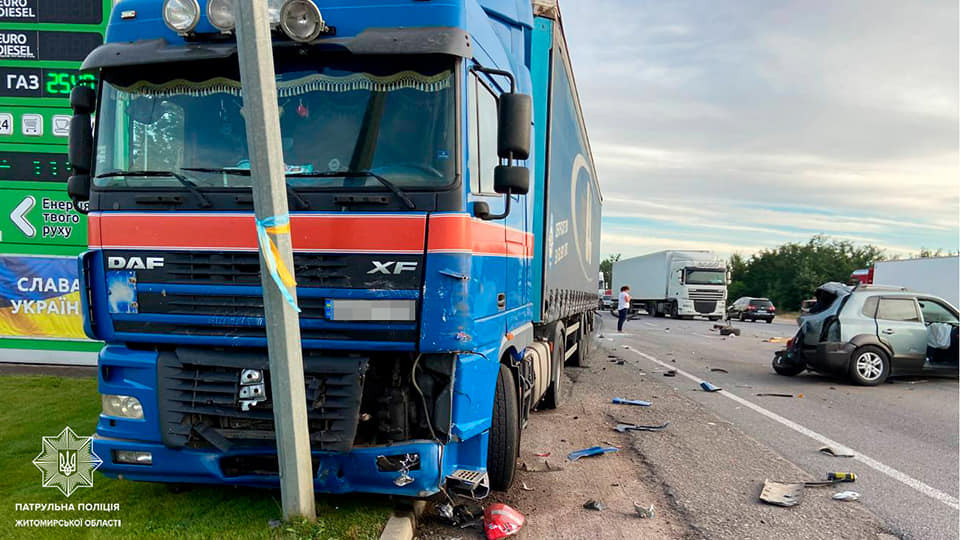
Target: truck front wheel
(504, 444)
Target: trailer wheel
(554, 396)
(504, 444)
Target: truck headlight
(301, 20)
(122, 406)
(221, 14)
(181, 16)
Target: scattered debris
(592, 451)
(544, 466)
(780, 494)
(594, 505)
(709, 387)
(525, 487)
(729, 331)
(835, 452)
(666, 329)
(841, 477)
(645, 513)
(501, 521)
(621, 362)
(274, 523)
(637, 402)
(776, 340)
(463, 515)
(773, 394)
(542, 454)
(623, 428)
(846, 496)
(719, 370)
(670, 373)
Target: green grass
(34, 406)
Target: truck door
(900, 325)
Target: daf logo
(134, 263)
(398, 266)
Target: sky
(741, 125)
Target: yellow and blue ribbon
(271, 255)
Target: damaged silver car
(871, 332)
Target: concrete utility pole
(269, 200)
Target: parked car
(608, 301)
(872, 332)
(753, 309)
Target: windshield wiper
(302, 204)
(360, 174)
(191, 187)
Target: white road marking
(926, 489)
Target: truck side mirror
(80, 151)
(511, 180)
(513, 136)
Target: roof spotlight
(222, 14)
(181, 16)
(301, 20)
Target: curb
(402, 524)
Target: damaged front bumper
(360, 470)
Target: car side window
(870, 307)
(898, 309)
(935, 312)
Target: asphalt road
(905, 433)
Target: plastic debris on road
(645, 513)
(846, 496)
(719, 370)
(525, 487)
(542, 454)
(835, 452)
(593, 504)
(501, 521)
(637, 402)
(709, 387)
(780, 494)
(773, 394)
(623, 428)
(592, 451)
(670, 373)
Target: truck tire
(554, 396)
(674, 311)
(504, 444)
(657, 312)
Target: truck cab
(415, 143)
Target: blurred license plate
(761, 312)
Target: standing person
(623, 304)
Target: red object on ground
(501, 521)
(542, 454)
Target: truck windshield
(705, 277)
(352, 114)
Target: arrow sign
(19, 216)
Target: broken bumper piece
(356, 471)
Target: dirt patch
(554, 505)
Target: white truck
(682, 283)
(933, 275)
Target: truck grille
(706, 294)
(229, 268)
(199, 407)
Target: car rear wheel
(785, 369)
(769, 321)
(742, 318)
(869, 366)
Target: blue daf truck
(445, 220)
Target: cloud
(745, 125)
